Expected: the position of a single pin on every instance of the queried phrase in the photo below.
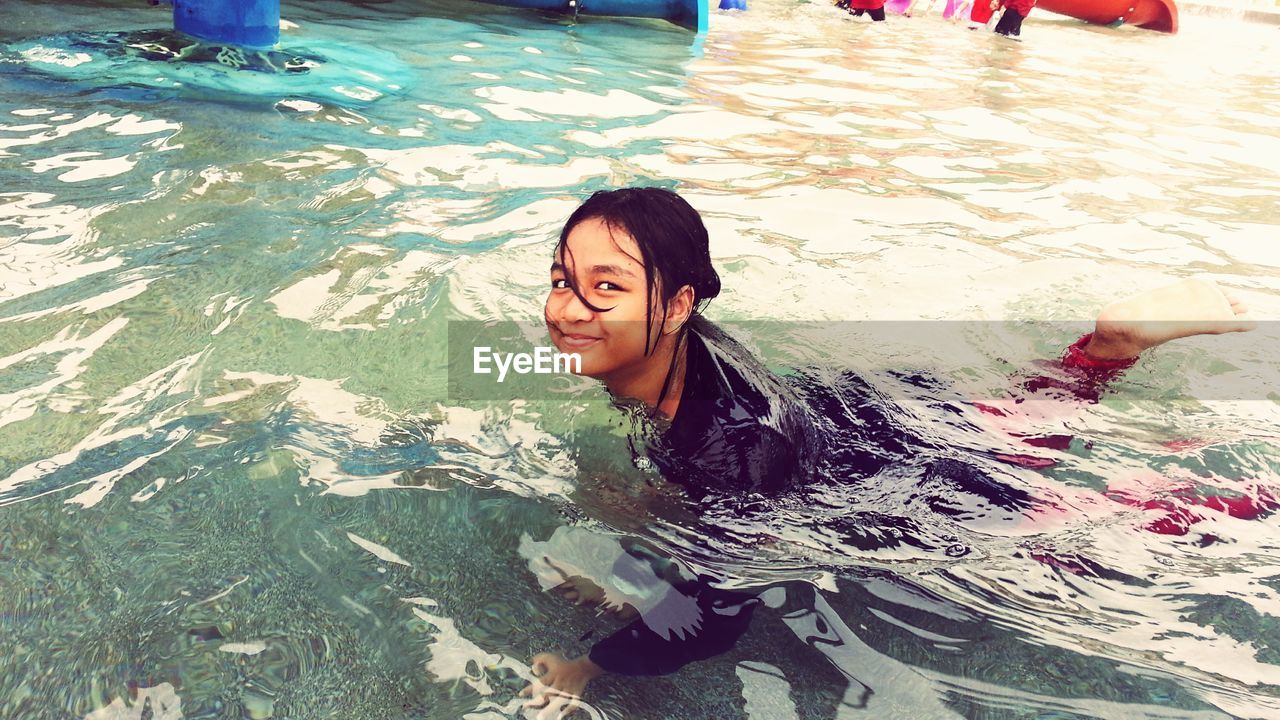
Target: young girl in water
(630, 275)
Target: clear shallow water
(233, 485)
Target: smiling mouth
(576, 341)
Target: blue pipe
(247, 23)
(686, 13)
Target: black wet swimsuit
(739, 431)
(742, 432)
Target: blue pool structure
(233, 47)
(255, 23)
(237, 482)
(247, 23)
(691, 14)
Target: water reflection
(232, 481)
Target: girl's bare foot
(1192, 307)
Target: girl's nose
(568, 307)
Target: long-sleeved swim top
(742, 431)
(739, 428)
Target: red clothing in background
(1022, 6)
(981, 12)
(1174, 503)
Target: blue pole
(248, 23)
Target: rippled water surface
(232, 483)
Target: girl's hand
(557, 692)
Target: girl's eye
(559, 284)
(606, 285)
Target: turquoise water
(232, 483)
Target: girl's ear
(679, 310)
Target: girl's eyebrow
(599, 270)
(612, 270)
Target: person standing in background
(979, 15)
(874, 8)
(1015, 11)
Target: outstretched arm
(676, 617)
(681, 619)
(664, 639)
(638, 649)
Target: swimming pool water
(233, 482)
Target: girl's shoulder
(739, 427)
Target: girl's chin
(592, 365)
(592, 368)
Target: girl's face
(607, 270)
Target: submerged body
(630, 274)
(729, 450)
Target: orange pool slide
(1161, 15)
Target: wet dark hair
(674, 249)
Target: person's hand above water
(1192, 307)
(557, 691)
